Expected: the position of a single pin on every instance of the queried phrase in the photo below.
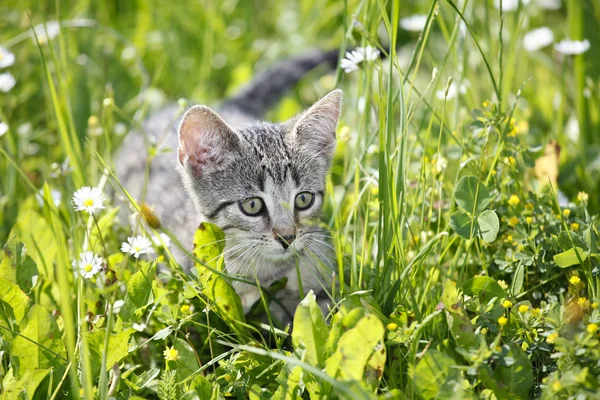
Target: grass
(466, 244)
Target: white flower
(439, 163)
(55, 194)
(355, 57)
(509, 5)
(88, 265)
(3, 128)
(139, 327)
(88, 199)
(46, 33)
(414, 23)
(572, 47)
(7, 82)
(136, 245)
(117, 306)
(453, 91)
(538, 39)
(165, 238)
(548, 4)
(6, 57)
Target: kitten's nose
(285, 240)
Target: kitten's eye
(252, 207)
(304, 200)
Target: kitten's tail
(271, 85)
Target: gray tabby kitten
(262, 183)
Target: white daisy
(548, 4)
(572, 47)
(88, 199)
(453, 91)
(88, 265)
(355, 57)
(509, 5)
(538, 39)
(414, 23)
(46, 33)
(6, 57)
(136, 245)
(7, 82)
(3, 128)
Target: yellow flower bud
(502, 321)
(523, 308)
(514, 200)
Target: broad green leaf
(483, 286)
(569, 258)
(289, 384)
(471, 195)
(462, 329)
(512, 376)
(17, 267)
(488, 225)
(33, 230)
(209, 242)
(25, 387)
(139, 292)
(465, 226)
(118, 348)
(450, 297)
(39, 345)
(208, 247)
(310, 330)
(564, 240)
(517, 282)
(12, 295)
(187, 361)
(436, 376)
(350, 360)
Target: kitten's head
(263, 184)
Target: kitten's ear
(315, 128)
(205, 140)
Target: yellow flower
(503, 284)
(392, 326)
(171, 354)
(583, 302)
(509, 238)
(514, 200)
(595, 305)
(566, 212)
(592, 328)
(513, 221)
(507, 304)
(484, 331)
(511, 161)
(529, 207)
(523, 308)
(520, 247)
(552, 337)
(558, 217)
(529, 220)
(535, 312)
(184, 309)
(486, 104)
(556, 386)
(502, 321)
(574, 280)
(493, 172)
(575, 226)
(583, 197)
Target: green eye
(252, 207)
(304, 200)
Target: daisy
(538, 39)
(3, 128)
(355, 57)
(509, 5)
(7, 82)
(414, 23)
(88, 199)
(46, 33)
(6, 57)
(572, 47)
(88, 265)
(136, 245)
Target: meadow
(462, 202)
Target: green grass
(462, 267)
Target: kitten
(262, 183)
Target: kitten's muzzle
(285, 240)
